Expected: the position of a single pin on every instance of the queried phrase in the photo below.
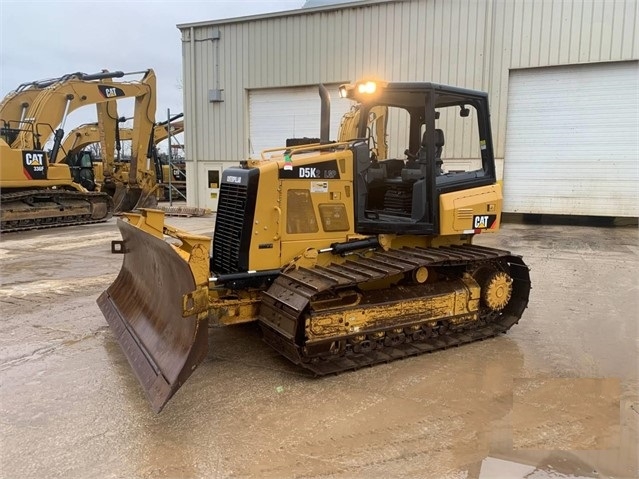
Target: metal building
(563, 79)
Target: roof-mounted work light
(368, 87)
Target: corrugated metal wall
(468, 43)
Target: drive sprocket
(497, 290)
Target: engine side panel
(476, 210)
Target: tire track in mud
(45, 350)
(29, 296)
(392, 447)
(48, 287)
(25, 289)
(41, 268)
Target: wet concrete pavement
(555, 397)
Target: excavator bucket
(147, 199)
(130, 198)
(125, 198)
(144, 308)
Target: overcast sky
(44, 39)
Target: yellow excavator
(33, 193)
(344, 258)
(15, 105)
(37, 192)
(89, 171)
(136, 185)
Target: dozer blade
(143, 307)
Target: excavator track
(288, 305)
(48, 208)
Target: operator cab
(8, 132)
(81, 166)
(447, 131)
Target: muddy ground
(556, 397)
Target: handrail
(303, 148)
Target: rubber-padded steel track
(34, 209)
(290, 296)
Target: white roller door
(280, 113)
(572, 140)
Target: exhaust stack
(325, 117)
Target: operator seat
(413, 170)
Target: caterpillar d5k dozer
(343, 259)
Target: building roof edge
(285, 13)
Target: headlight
(367, 87)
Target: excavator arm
(142, 172)
(15, 105)
(108, 132)
(161, 130)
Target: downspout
(192, 128)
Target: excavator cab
(81, 165)
(8, 132)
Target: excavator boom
(15, 104)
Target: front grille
(229, 224)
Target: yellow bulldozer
(35, 190)
(345, 259)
